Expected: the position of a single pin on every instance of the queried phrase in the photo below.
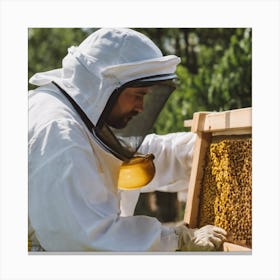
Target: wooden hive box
(220, 187)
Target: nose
(139, 106)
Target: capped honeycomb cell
(226, 189)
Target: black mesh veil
(124, 142)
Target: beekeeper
(85, 120)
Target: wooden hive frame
(206, 125)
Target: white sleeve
(173, 160)
(74, 206)
(129, 199)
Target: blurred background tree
(215, 75)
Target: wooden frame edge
(204, 124)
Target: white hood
(104, 61)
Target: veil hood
(103, 62)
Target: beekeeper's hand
(207, 238)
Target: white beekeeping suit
(74, 202)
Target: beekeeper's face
(129, 104)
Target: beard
(122, 121)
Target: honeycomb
(226, 190)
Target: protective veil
(114, 61)
(74, 203)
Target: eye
(137, 96)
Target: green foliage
(222, 80)
(214, 75)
